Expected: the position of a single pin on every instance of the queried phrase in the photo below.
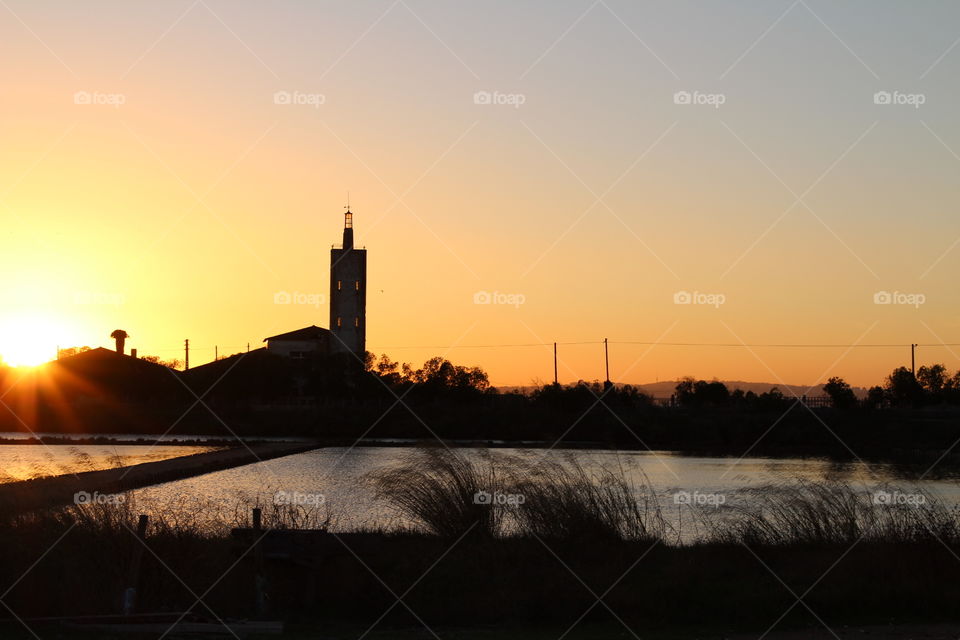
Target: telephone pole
(606, 358)
(216, 353)
(186, 354)
(913, 360)
(556, 380)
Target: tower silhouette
(348, 293)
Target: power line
(783, 345)
(487, 346)
(677, 344)
(754, 345)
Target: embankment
(40, 493)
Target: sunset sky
(152, 179)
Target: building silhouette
(348, 294)
(300, 344)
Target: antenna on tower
(348, 202)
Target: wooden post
(259, 579)
(556, 380)
(133, 577)
(606, 358)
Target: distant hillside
(665, 388)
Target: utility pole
(216, 353)
(248, 347)
(913, 360)
(606, 358)
(186, 354)
(556, 380)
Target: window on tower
(356, 283)
(356, 322)
(339, 285)
(339, 322)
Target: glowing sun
(28, 339)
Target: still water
(26, 461)
(335, 483)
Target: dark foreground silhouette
(466, 563)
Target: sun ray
(31, 338)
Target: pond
(335, 483)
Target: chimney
(133, 353)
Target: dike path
(70, 488)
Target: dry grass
(835, 513)
(436, 489)
(564, 501)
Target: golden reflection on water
(27, 461)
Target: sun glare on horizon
(30, 339)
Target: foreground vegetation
(550, 541)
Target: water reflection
(26, 461)
(342, 477)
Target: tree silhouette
(841, 395)
(903, 389)
(933, 379)
(700, 393)
(120, 336)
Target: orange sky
(176, 196)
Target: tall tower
(348, 294)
